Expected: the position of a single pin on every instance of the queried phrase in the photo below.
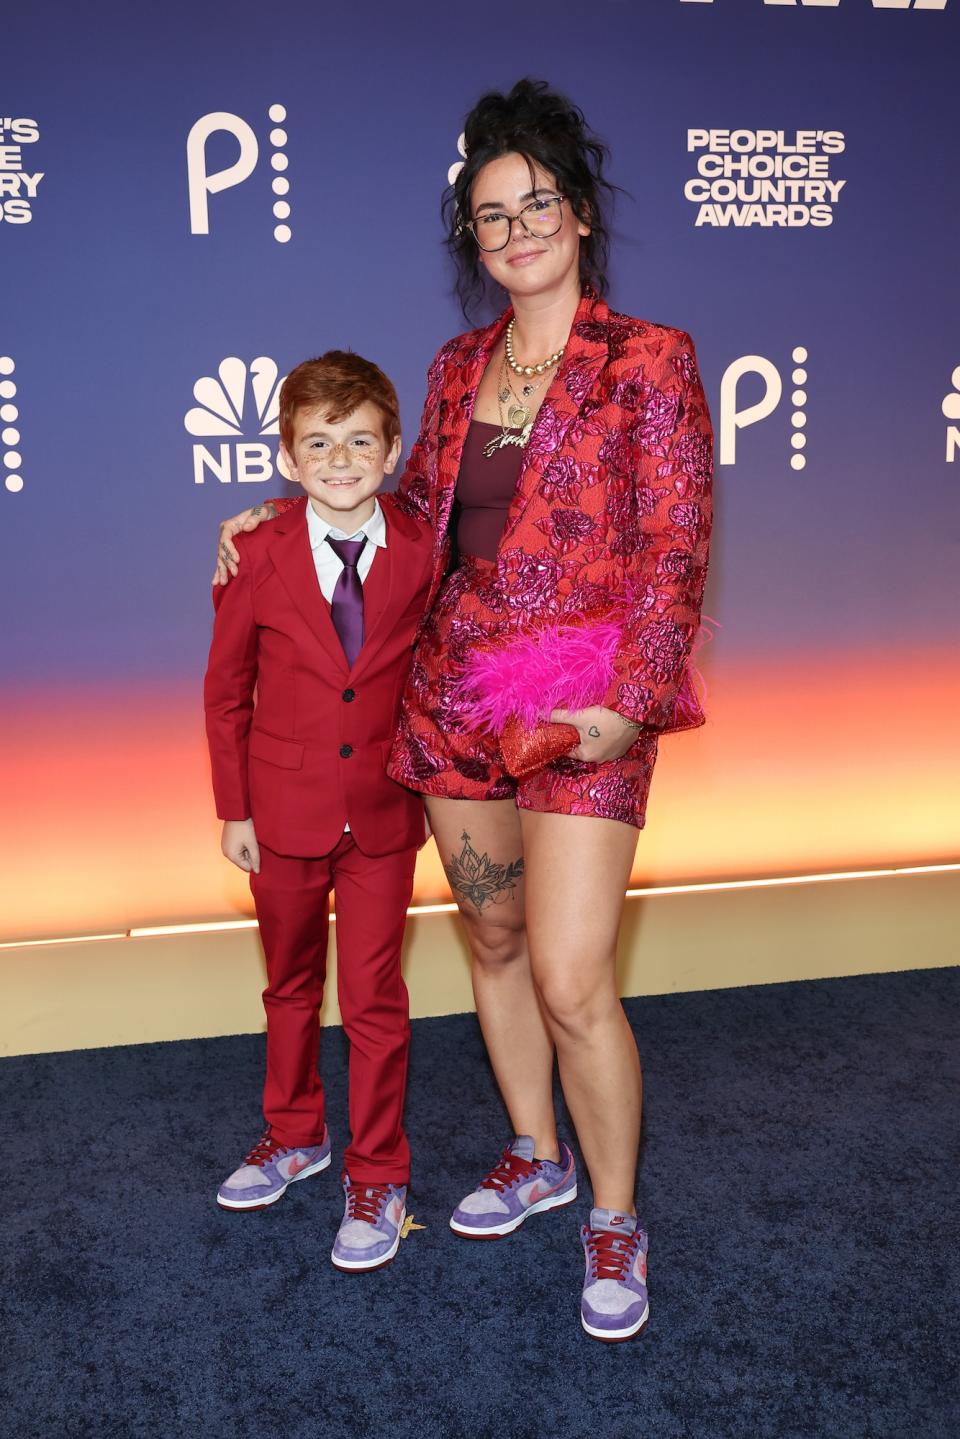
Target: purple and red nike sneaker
(519, 1185)
(372, 1223)
(614, 1302)
(268, 1169)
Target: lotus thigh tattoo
(476, 878)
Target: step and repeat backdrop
(195, 198)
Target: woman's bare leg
(577, 871)
(479, 842)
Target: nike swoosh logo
(536, 1194)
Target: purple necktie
(347, 603)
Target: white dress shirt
(329, 566)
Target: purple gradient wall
(834, 579)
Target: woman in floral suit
(565, 458)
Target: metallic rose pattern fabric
(612, 505)
(439, 752)
(613, 499)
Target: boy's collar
(375, 528)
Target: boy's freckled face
(341, 463)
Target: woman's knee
(573, 1004)
(496, 942)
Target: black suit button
(346, 750)
(349, 695)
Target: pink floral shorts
(438, 753)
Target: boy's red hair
(338, 382)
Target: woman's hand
(604, 734)
(228, 556)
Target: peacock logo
(239, 401)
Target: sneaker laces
(510, 1170)
(609, 1253)
(365, 1201)
(265, 1150)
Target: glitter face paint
(341, 463)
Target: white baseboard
(188, 986)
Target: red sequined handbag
(513, 684)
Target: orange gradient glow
(803, 766)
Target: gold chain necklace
(544, 365)
(519, 414)
(515, 428)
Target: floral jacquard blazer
(613, 501)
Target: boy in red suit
(311, 647)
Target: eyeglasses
(539, 219)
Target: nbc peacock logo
(239, 402)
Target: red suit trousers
(292, 900)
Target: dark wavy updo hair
(549, 131)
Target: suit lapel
(585, 355)
(292, 559)
(378, 590)
(395, 575)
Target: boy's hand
(228, 557)
(239, 844)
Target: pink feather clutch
(512, 689)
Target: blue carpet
(798, 1180)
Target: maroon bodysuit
(485, 487)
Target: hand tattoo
(593, 732)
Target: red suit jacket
(311, 754)
(613, 499)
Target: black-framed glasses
(540, 219)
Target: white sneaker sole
(498, 1231)
(613, 1336)
(351, 1265)
(314, 1168)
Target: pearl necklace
(547, 364)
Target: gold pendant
(508, 437)
(518, 415)
(491, 447)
